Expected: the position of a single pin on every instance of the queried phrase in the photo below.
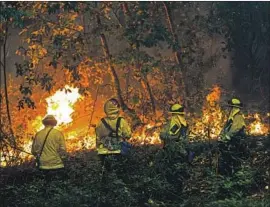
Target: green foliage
(11, 14)
(239, 203)
(147, 177)
(143, 26)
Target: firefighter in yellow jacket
(231, 145)
(174, 132)
(235, 125)
(175, 152)
(112, 131)
(176, 128)
(49, 146)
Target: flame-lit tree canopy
(72, 56)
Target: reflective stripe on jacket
(173, 128)
(237, 124)
(234, 126)
(238, 121)
(54, 149)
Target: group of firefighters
(113, 133)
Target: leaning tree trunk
(177, 53)
(144, 79)
(151, 95)
(5, 84)
(130, 112)
(1, 42)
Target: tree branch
(117, 18)
(134, 117)
(54, 23)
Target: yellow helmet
(234, 102)
(177, 109)
(111, 106)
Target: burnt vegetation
(148, 55)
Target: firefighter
(112, 133)
(49, 148)
(235, 125)
(231, 144)
(174, 132)
(173, 161)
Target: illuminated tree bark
(130, 112)
(1, 42)
(144, 79)
(149, 90)
(5, 81)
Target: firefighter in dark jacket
(231, 138)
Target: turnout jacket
(54, 149)
(174, 130)
(235, 125)
(103, 134)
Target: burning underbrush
(69, 108)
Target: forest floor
(149, 176)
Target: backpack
(112, 141)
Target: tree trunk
(130, 112)
(177, 53)
(5, 84)
(125, 9)
(149, 90)
(127, 84)
(1, 98)
(145, 81)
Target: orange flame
(213, 97)
(206, 126)
(212, 120)
(257, 127)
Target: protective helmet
(177, 109)
(49, 120)
(234, 102)
(111, 106)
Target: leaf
(80, 28)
